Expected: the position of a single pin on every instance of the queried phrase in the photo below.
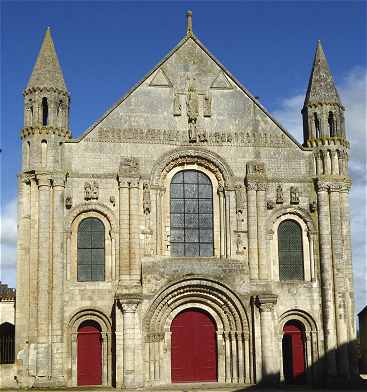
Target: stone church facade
(185, 226)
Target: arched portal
(89, 357)
(294, 364)
(193, 347)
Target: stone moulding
(192, 155)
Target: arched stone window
(191, 214)
(91, 250)
(290, 251)
(44, 111)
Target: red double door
(89, 355)
(193, 347)
(293, 353)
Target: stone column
(261, 235)
(129, 345)
(134, 231)
(58, 277)
(252, 229)
(124, 224)
(222, 221)
(23, 272)
(43, 274)
(326, 270)
(265, 303)
(119, 343)
(33, 262)
(339, 279)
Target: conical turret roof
(321, 86)
(47, 71)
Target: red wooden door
(193, 347)
(89, 355)
(293, 353)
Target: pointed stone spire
(321, 86)
(47, 71)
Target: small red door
(293, 353)
(89, 354)
(193, 347)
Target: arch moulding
(192, 155)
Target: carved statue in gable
(177, 107)
(207, 105)
(192, 110)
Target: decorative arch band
(227, 310)
(192, 155)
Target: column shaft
(43, 276)
(135, 225)
(252, 231)
(23, 273)
(124, 222)
(328, 304)
(261, 236)
(58, 276)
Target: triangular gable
(160, 79)
(223, 80)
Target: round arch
(192, 155)
(80, 317)
(311, 335)
(226, 309)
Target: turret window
(317, 125)
(191, 214)
(290, 251)
(44, 111)
(91, 250)
(332, 127)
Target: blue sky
(106, 47)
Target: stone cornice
(32, 90)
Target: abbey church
(186, 236)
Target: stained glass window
(191, 214)
(290, 251)
(91, 250)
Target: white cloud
(8, 238)
(352, 91)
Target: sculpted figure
(177, 105)
(87, 191)
(294, 195)
(95, 190)
(280, 198)
(192, 110)
(147, 205)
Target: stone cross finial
(189, 22)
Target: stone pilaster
(327, 284)
(58, 278)
(252, 230)
(266, 303)
(261, 231)
(43, 331)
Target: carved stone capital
(134, 182)
(43, 181)
(251, 186)
(58, 181)
(322, 186)
(129, 307)
(266, 302)
(262, 186)
(335, 187)
(123, 182)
